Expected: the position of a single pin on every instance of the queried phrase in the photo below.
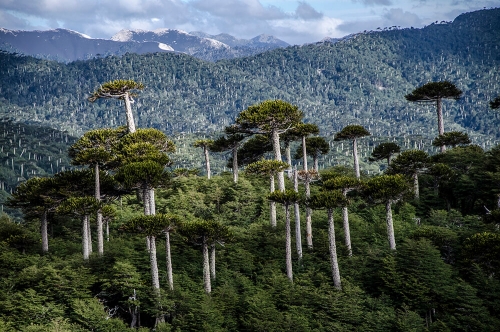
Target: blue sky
(295, 22)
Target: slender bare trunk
(288, 159)
(212, 261)
(207, 161)
(355, 156)
(288, 243)
(43, 230)
(100, 235)
(309, 236)
(316, 163)
(130, 116)
(304, 153)
(277, 156)
(89, 230)
(390, 226)
(298, 236)
(154, 263)
(169, 261)
(235, 165)
(147, 211)
(333, 251)
(347, 232)
(85, 237)
(152, 202)
(272, 205)
(206, 268)
(134, 311)
(107, 230)
(440, 121)
(415, 185)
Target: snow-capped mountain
(67, 45)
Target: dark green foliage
(495, 103)
(386, 187)
(432, 91)
(315, 147)
(253, 150)
(409, 162)
(452, 138)
(115, 89)
(351, 132)
(385, 151)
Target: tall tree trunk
(288, 243)
(235, 164)
(206, 268)
(415, 185)
(390, 225)
(170, 277)
(107, 230)
(85, 237)
(298, 236)
(316, 163)
(147, 211)
(288, 159)
(89, 230)
(277, 156)
(130, 115)
(154, 263)
(212, 261)
(309, 236)
(97, 192)
(134, 311)
(43, 230)
(152, 202)
(207, 161)
(347, 232)
(304, 153)
(272, 205)
(355, 156)
(333, 251)
(440, 121)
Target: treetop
(116, 89)
(433, 91)
(270, 115)
(351, 132)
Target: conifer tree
(300, 132)
(385, 151)
(353, 132)
(271, 117)
(230, 142)
(452, 138)
(268, 168)
(410, 163)
(205, 144)
(121, 90)
(435, 92)
(329, 200)
(387, 189)
(286, 198)
(315, 147)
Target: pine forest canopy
(362, 79)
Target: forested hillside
(362, 80)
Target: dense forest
(381, 224)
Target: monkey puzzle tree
(329, 200)
(345, 184)
(205, 144)
(387, 189)
(307, 177)
(95, 149)
(286, 198)
(315, 147)
(252, 150)
(353, 132)
(37, 197)
(205, 233)
(435, 92)
(230, 142)
(452, 138)
(121, 90)
(271, 117)
(153, 226)
(82, 207)
(385, 151)
(300, 132)
(268, 168)
(410, 163)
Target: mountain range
(67, 45)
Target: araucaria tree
(452, 138)
(345, 184)
(95, 149)
(205, 144)
(268, 168)
(353, 132)
(410, 163)
(122, 90)
(230, 142)
(315, 147)
(435, 92)
(329, 200)
(387, 189)
(271, 117)
(385, 151)
(286, 198)
(300, 132)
